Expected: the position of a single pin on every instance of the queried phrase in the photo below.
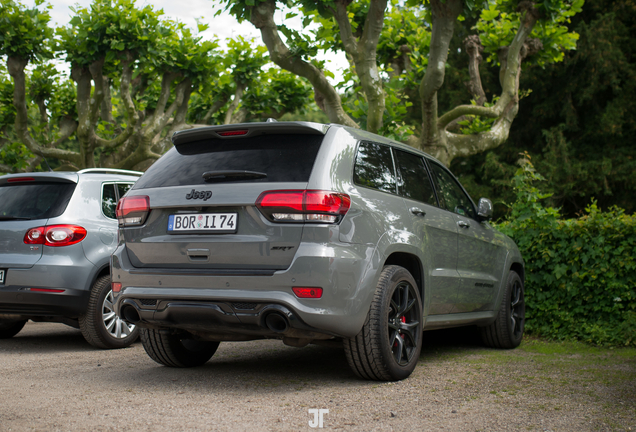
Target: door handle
(417, 212)
(463, 224)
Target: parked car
(57, 231)
(308, 232)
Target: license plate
(2, 272)
(206, 222)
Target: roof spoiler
(110, 171)
(246, 130)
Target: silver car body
(221, 286)
(71, 270)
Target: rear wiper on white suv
(10, 218)
(229, 175)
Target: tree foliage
(577, 120)
(580, 280)
(133, 74)
(398, 54)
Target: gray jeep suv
(57, 231)
(308, 232)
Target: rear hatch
(29, 201)
(202, 196)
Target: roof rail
(109, 171)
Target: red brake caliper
(403, 319)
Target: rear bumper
(203, 302)
(20, 301)
(220, 320)
(66, 269)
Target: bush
(580, 273)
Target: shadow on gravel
(270, 366)
(266, 365)
(452, 340)
(57, 338)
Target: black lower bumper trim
(225, 319)
(20, 301)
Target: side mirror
(485, 209)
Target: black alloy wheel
(403, 322)
(389, 344)
(507, 329)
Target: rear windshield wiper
(229, 175)
(10, 218)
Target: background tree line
(455, 78)
(135, 78)
(578, 120)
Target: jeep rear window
(34, 200)
(284, 158)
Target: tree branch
(132, 115)
(166, 82)
(106, 109)
(158, 123)
(238, 94)
(217, 105)
(467, 145)
(510, 74)
(262, 17)
(95, 102)
(473, 48)
(463, 110)
(444, 17)
(346, 34)
(450, 145)
(16, 67)
(364, 55)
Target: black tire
(507, 330)
(389, 344)
(9, 328)
(176, 350)
(99, 325)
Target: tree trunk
(363, 52)
(262, 17)
(445, 145)
(444, 16)
(16, 66)
(240, 88)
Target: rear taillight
(303, 206)
(55, 235)
(133, 211)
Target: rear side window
(111, 193)
(374, 167)
(281, 157)
(35, 200)
(109, 200)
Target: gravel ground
(52, 380)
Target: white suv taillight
(132, 211)
(303, 206)
(55, 235)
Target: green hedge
(580, 273)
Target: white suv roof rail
(109, 171)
